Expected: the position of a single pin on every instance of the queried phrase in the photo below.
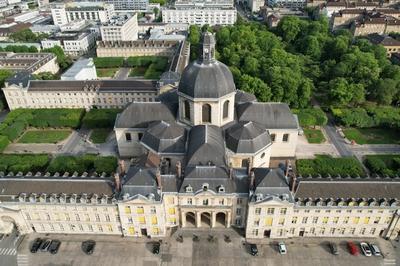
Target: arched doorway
(190, 219)
(205, 219)
(220, 220)
(206, 113)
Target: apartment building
(73, 43)
(33, 63)
(120, 28)
(127, 5)
(391, 45)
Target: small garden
(326, 165)
(373, 135)
(101, 121)
(107, 66)
(44, 163)
(311, 120)
(100, 135)
(44, 136)
(383, 164)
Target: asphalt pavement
(337, 140)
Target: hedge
(108, 62)
(325, 165)
(311, 117)
(23, 163)
(100, 118)
(4, 141)
(145, 61)
(85, 163)
(370, 116)
(383, 164)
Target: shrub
(23, 163)
(56, 117)
(383, 164)
(106, 164)
(311, 117)
(375, 165)
(108, 62)
(100, 118)
(3, 142)
(80, 164)
(14, 130)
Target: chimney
(252, 180)
(121, 167)
(158, 178)
(178, 166)
(248, 167)
(230, 171)
(117, 181)
(294, 181)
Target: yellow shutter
(156, 230)
(325, 220)
(366, 220)
(172, 220)
(127, 210)
(171, 211)
(268, 221)
(154, 220)
(141, 219)
(131, 230)
(355, 220)
(139, 210)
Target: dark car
(253, 250)
(45, 245)
(353, 248)
(36, 245)
(54, 246)
(88, 246)
(156, 248)
(334, 249)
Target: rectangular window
(154, 220)
(346, 219)
(171, 211)
(238, 211)
(325, 220)
(152, 210)
(268, 221)
(189, 201)
(205, 202)
(131, 230)
(335, 220)
(362, 231)
(372, 232)
(128, 137)
(172, 220)
(283, 210)
(258, 211)
(239, 201)
(139, 210)
(285, 138)
(294, 220)
(304, 221)
(273, 137)
(366, 220)
(142, 220)
(377, 219)
(257, 222)
(127, 210)
(281, 221)
(315, 220)
(255, 232)
(270, 211)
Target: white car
(375, 249)
(365, 249)
(282, 248)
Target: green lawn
(44, 136)
(373, 135)
(100, 135)
(137, 72)
(314, 135)
(106, 72)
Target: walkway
(337, 140)
(122, 73)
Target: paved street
(122, 251)
(305, 150)
(337, 140)
(122, 73)
(8, 249)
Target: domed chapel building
(200, 147)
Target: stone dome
(207, 77)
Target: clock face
(206, 50)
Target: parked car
(88, 246)
(54, 246)
(253, 250)
(365, 249)
(282, 248)
(352, 248)
(375, 249)
(45, 245)
(156, 248)
(334, 249)
(36, 245)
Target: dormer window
(221, 189)
(205, 187)
(189, 189)
(259, 197)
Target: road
(122, 73)
(337, 140)
(8, 249)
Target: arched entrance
(190, 219)
(205, 219)
(220, 220)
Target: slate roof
(140, 181)
(169, 77)
(18, 185)
(163, 137)
(212, 80)
(206, 144)
(346, 189)
(271, 183)
(244, 97)
(383, 40)
(247, 137)
(141, 114)
(21, 77)
(270, 115)
(171, 99)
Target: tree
(340, 92)
(289, 27)
(384, 91)
(63, 60)
(194, 35)
(26, 35)
(255, 86)
(4, 74)
(46, 76)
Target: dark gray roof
(271, 183)
(206, 144)
(206, 172)
(139, 181)
(18, 185)
(101, 85)
(141, 114)
(384, 40)
(163, 137)
(212, 80)
(346, 189)
(170, 98)
(270, 115)
(169, 77)
(244, 97)
(247, 137)
(21, 77)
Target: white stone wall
(281, 148)
(80, 46)
(126, 32)
(51, 66)
(200, 16)
(129, 148)
(59, 15)
(50, 43)
(135, 51)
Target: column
(213, 218)
(228, 220)
(183, 219)
(198, 219)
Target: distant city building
(96, 12)
(157, 34)
(8, 28)
(128, 5)
(287, 3)
(77, 93)
(195, 12)
(73, 43)
(375, 22)
(255, 5)
(83, 69)
(32, 63)
(168, 28)
(390, 44)
(120, 28)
